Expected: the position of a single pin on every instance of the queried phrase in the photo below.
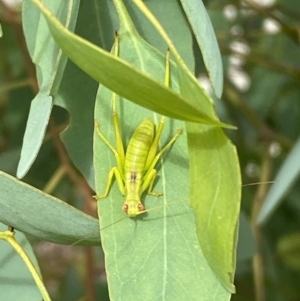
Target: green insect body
(135, 167)
(135, 171)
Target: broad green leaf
(50, 64)
(16, 281)
(284, 180)
(215, 197)
(53, 219)
(149, 93)
(155, 256)
(215, 179)
(206, 39)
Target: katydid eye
(125, 208)
(141, 207)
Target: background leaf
(50, 65)
(37, 122)
(286, 177)
(54, 220)
(216, 205)
(206, 39)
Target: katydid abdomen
(139, 146)
(135, 161)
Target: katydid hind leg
(160, 153)
(118, 134)
(160, 127)
(113, 172)
(119, 142)
(154, 146)
(120, 164)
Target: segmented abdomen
(139, 146)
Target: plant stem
(258, 262)
(10, 238)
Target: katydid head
(140, 210)
(132, 208)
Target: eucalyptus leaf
(215, 197)
(37, 122)
(50, 64)
(206, 39)
(284, 180)
(53, 219)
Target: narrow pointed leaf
(284, 180)
(111, 72)
(37, 122)
(50, 64)
(206, 39)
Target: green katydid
(135, 171)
